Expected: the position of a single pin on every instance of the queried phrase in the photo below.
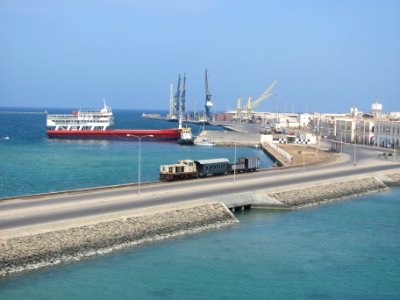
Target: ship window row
(78, 122)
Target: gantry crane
(183, 96)
(177, 103)
(209, 103)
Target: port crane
(250, 106)
(209, 103)
(183, 96)
(171, 102)
(177, 102)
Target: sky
(326, 55)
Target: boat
(206, 143)
(186, 137)
(97, 124)
(171, 118)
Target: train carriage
(188, 169)
(212, 167)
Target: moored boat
(96, 124)
(186, 137)
(205, 143)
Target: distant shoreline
(24, 112)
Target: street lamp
(354, 155)
(234, 163)
(140, 139)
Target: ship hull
(188, 142)
(126, 134)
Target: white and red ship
(96, 124)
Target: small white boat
(206, 143)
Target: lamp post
(354, 155)
(140, 139)
(234, 163)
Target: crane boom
(267, 93)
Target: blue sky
(325, 55)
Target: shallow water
(342, 250)
(31, 163)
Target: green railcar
(212, 167)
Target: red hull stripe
(170, 134)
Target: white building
(387, 133)
(304, 119)
(344, 129)
(365, 128)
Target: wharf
(153, 116)
(301, 155)
(239, 134)
(228, 138)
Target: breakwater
(327, 192)
(307, 195)
(62, 246)
(37, 250)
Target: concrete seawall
(39, 248)
(328, 192)
(62, 246)
(297, 197)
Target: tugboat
(186, 137)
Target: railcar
(246, 164)
(212, 167)
(189, 169)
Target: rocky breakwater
(55, 247)
(318, 194)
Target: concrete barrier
(302, 197)
(45, 249)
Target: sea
(31, 163)
(342, 250)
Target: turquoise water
(344, 250)
(31, 163)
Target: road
(25, 212)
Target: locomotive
(188, 169)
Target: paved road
(22, 212)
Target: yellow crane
(250, 106)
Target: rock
(32, 252)
(328, 192)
